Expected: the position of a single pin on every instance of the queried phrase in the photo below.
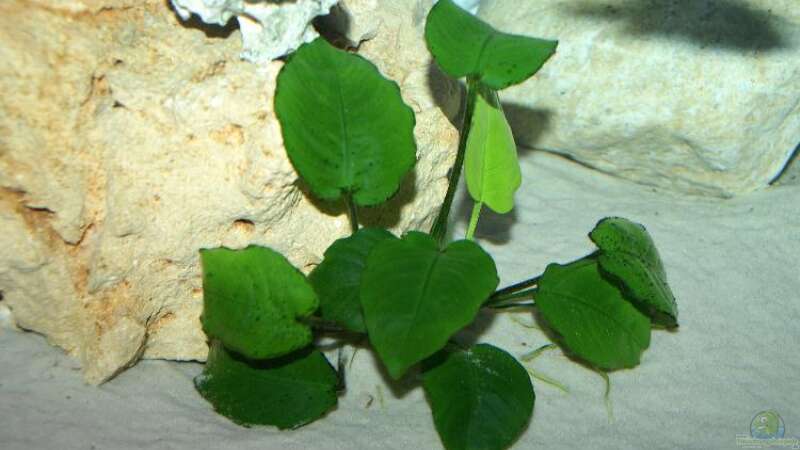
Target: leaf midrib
(481, 62)
(424, 294)
(485, 151)
(652, 275)
(345, 145)
(602, 313)
(294, 381)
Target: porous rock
(128, 141)
(694, 96)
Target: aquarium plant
(349, 135)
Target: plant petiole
(530, 356)
(473, 220)
(607, 396)
(499, 299)
(439, 230)
(503, 293)
(325, 326)
(505, 301)
(548, 380)
(511, 306)
(509, 290)
(352, 213)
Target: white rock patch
(270, 29)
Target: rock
(695, 96)
(128, 141)
(791, 173)
(6, 319)
(269, 29)
(470, 5)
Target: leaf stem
(473, 220)
(439, 230)
(530, 356)
(526, 294)
(352, 213)
(548, 380)
(607, 396)
(509, 290)
(530, 282)
(512, 305)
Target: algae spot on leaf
(416, 296)
(287, 392)
(463, 45)
(254, 301)
(629, 256)
(481, 398)
(596, 323)
(345, 127)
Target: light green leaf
(337, 279)
(482, 398)
(253, 301)
(490, 164)
(287, 392)
(416, 296)
(597, 324)
(628, 254)
(463, 45)
(345, 127)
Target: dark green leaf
(482, 398)
(345, 127)
(597, 324)
(287, 392)
(415, 296)
(337, 279)
(628, 254)
(463, 45)
(252, 300)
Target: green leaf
(597, 324)
(491, 167)
(482, 398)
(253, 300)
(287, 392)
(628, 254)
(416, 296)
(463, 45)
(337, 279)
(345, 127)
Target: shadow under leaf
(718, 24)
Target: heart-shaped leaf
(345, 127)
(482, 398)
(628, 254)
(596, 322)
(337, 279)
(463, 45)
(490, 164)
(416, 296)
(287, 392)
(253, 300)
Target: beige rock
(694, 96)
(128, 142)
